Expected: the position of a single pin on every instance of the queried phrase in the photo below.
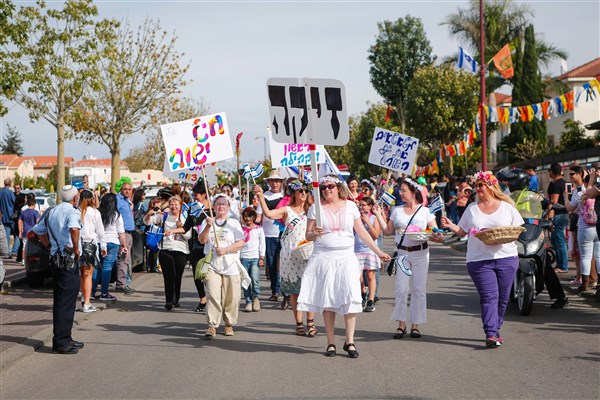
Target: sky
(234, 47)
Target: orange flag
(503, 62)
(388, 113)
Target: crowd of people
(235, 237)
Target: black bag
(14, 217)
(88, 254)
(391, 268)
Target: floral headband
(487, 177)
(368, 183)
(413, 183)
(296, 185)
(330, 178)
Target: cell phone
(569, 188)
(156, 208)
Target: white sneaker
(87, 308)
(248, 307)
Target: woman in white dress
(291, 267)
(331, 281)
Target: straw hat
(273, 175)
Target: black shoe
(415, 334)
(124, 289)
(169, 306)
(376, 299)
(330, 352)
(560, 303)
(351, 353)
(370, 306)
(76, 344)
(176, 305)
(153, 270)
(65, 350)
(201, 307)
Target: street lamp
(264, 139)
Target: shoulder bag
(391, 268)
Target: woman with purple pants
(492, 267)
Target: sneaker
(107, 297)
(376, 299)
(492, 342)
(364, 299)
(248, 307)
(560, 303)
(87, 308)
(500, 341)
(370, 307)
(228, 330)
(575, 282)
(210, 332)
(255, 304)
(125, 290)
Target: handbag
(154, 235)
(391, 268)
(88, 254)
(202, 267)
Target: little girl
(366, 257)
(252, 256)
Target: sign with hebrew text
(393, 150)
(308, 111)
(193, 174)
(197, 141)
(293, 154)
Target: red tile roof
(99, 162)
(587, 70)
(48, 161)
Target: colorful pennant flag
(503, 62)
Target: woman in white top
(492, 267)
(331, 281)
(412, 214)
(223, 237)
(114, 237)
(174, 249)
(92, 232)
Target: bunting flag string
(511, 115)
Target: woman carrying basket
(492, 267)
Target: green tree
(11, 142)
(53, 179)
(504, 22)
(139, 73)
(55, 62)
(399, 50)
(151, 154)
(573, 137)
(440, 106)
(10, 34)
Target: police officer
(59, 229)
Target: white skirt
(331, 282)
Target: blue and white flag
(329, 167)
(196, 209)
(465, 61)
(295, 173)
(436, 205)
(258, 170)
(247, 174)
(387, 199)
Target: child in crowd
(252, 256)
(29, 217)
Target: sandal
(300, 329)
(285, 302)
(328, 352)
(399, 333)
(414, 333)
(274, 297)
(312, 331)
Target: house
(44, 164)
(11, 164)
(98, 171)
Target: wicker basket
(303, 252)
(500, 234)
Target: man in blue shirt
(59, 229)
(7, 206)
(125, 207)
(533, 179)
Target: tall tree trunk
(401, 116)
(60, 154)
(115, 166)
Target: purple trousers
(493, 279)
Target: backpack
(588, 213)
(154, 235)
(138, 219)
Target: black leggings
(196, 256)
(172, 264)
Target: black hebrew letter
(333, 100)
(277, 99)
(298, 100)
(315, 100)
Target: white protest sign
(308, 111)
(292, 154)
(393, 151)
(191, 175)
(197, 141)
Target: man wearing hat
(272, 232)
(59, 229)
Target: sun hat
(274, 175)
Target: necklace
(221, 224)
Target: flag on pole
(503, 62)
(329, 167)
(247, 171)
(295, 173)
(258, 170)
(387, 199)
(436, 205)
(196, 209)
(388, 113)
(465, 61)
(237, 143)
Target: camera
(156, 208)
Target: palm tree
(505, 22)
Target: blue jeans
(8, 230)
(251, 265)
(559, 242)
(272, 248)
(108, 262)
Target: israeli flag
(294, 172)
(436, 205)
(256, 171)
(196, 209)
(465, 61)
(247, 171)
(387, 199)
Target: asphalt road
(135, 349)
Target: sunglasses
(366, 189)
(572, 173)
(302, 191)
(331, 186)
